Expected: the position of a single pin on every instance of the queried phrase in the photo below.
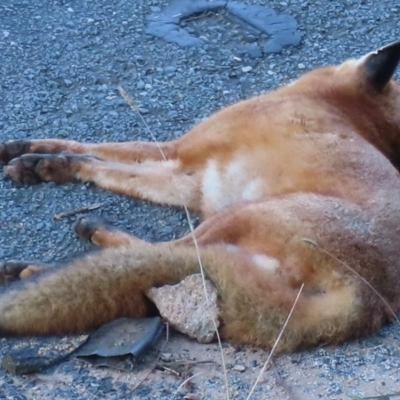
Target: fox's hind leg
(257, 268)
(93, 289)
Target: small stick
(186, 362)
(276, 343)
(172, 371)
(185, 382)
(129, 100)
(77, 211)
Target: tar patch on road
(252, 29)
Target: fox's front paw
(35, 168)
(16, 270)
(13, 149)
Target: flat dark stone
(281, 29)
(121, 342)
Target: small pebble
(166, 356)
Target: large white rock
(185, 308)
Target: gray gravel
(61, 64)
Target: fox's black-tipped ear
(381, 64)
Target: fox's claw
(35, 168)
(16, 270)
(23, 169)
(86, 227)
(101, 233)
(13, 149)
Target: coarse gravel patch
(61, 65)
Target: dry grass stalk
(129, 100)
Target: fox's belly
(231, 183)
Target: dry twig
(129, 100)
(276, 343)
(77, 211)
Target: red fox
(297, 188)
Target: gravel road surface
(61, 64)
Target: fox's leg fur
(112, 283)
(212, 230)
(157, 181)
(216, 228)
(124, 152)
(121, 293)
(257, 270)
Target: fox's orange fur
(313, 162)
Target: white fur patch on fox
(269, 264)
(231, 185)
